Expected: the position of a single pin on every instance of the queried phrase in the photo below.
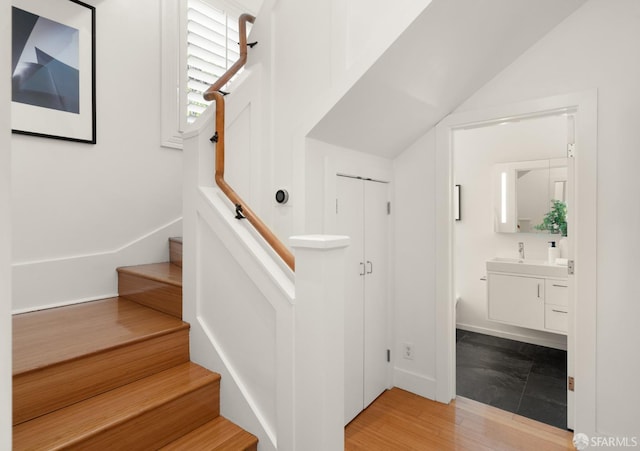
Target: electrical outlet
(407, 351)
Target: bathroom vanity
(528, 293)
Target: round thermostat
(282, 196)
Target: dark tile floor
(526, 379)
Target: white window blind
(212, 47)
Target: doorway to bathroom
(512, 322)
(520, 325)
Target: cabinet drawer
(556, 318)
(557, 292)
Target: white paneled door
(361, 213)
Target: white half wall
(239, 327)
(5, 231)
(74, 201)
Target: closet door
(375, 289)
(349, 221)
(361, 213)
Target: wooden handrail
(241, 207)
(220, 82)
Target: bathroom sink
(528, 267)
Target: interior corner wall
(415, 266)
(590, 49)
(308, 76)
(76, 201)
(5, 231)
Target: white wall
(5, 231)
(307, 66)
(323, 162)
(73, 202)
(590, 49)
(476, 151)
(414, 219)
(599, 37)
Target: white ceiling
(448, 53)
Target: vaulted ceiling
(451, 50)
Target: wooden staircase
(116, 374)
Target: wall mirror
(527, 192)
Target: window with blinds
(212, 47)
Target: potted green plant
(556, 220)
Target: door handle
(362, 268)
(370, 267)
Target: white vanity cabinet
(528, 300)
(516, 300)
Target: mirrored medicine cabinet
(524, 193)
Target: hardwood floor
(399, 420)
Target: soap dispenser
(554, 252)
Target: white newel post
(319, 342)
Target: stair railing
(214, 93)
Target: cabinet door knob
(362, 268)
(370, 267)
(538, 290)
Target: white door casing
(582, 246)
(350, 220)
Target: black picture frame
(53, 71)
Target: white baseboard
(70, 280)
(63, 304)
(559, 343)
(415, 383)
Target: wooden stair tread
(216, 435)
(77, 423)
(48, 337)
(158, 286)
(160, 272)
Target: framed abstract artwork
(53, 70)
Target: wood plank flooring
(399, 420)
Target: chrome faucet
(521, 249)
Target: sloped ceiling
(451, 50)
